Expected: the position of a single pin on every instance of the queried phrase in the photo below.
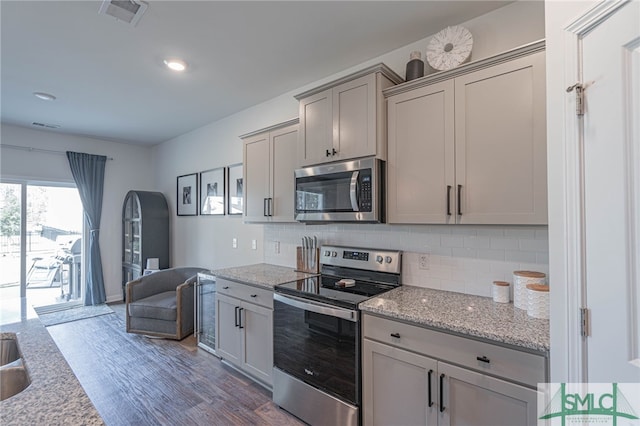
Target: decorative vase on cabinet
(145, 233)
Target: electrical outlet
(254, 244)
(234, 243)
(423, 261)
(276, 247)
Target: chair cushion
(159, 306)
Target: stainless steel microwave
(347, 191)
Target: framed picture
(212, 191)
(187, 197)
(235, 202)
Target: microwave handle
(354, 191)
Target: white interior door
(611, 76)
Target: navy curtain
(88, 172)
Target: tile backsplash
(461, 258)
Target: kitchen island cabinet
(345, 119)
(269, 163)
(468, 146)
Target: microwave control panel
(365, 193)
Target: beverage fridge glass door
(205, 321)
(317, 344)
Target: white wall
(206, 241)
(131, 168)
(558, 14)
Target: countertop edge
(48, 371)
(462, 314)
(491, 338)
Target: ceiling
(109, 77)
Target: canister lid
(501, 283)
(529, 274)
(537, 287)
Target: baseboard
(115, 298)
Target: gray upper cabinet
(269, 164)
(468, 146)
(345, 119)
(145, 233)
(421, 160)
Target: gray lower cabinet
(396, 386)
(244, 328)
(406, 379)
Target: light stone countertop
(55, 396)
(463, 314)
(261, 274)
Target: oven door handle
(318, 308)
(354, 191)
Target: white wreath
(449, 48)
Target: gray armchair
(161, 304)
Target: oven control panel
(361, 258)
(356, 255)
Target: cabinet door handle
(483, 359)
(328, 153)
(270, 206)
(254, 295)
(226, 287)
(448, 200)
(441, 393)
(264, 207)
(240, 317)
(429, 374)
(333, 151)
(236, 316)
(396, 335)
(459, 200)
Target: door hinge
(579, 89)
(585, 322)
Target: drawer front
(247, 292)
(511, 364)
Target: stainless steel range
(317, 333)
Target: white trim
(574, 230)
(632, 173)
(576, 360)
(594, 17)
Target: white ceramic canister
(520, 281)
(538, 301)
(500, 291)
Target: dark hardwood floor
(136, 380)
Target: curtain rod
(30, 149)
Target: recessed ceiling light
(44, 96)
(176, 64)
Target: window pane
(54, 244)
(9, 245)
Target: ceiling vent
(129, 11)
(47, 126)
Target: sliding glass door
(41, 229)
